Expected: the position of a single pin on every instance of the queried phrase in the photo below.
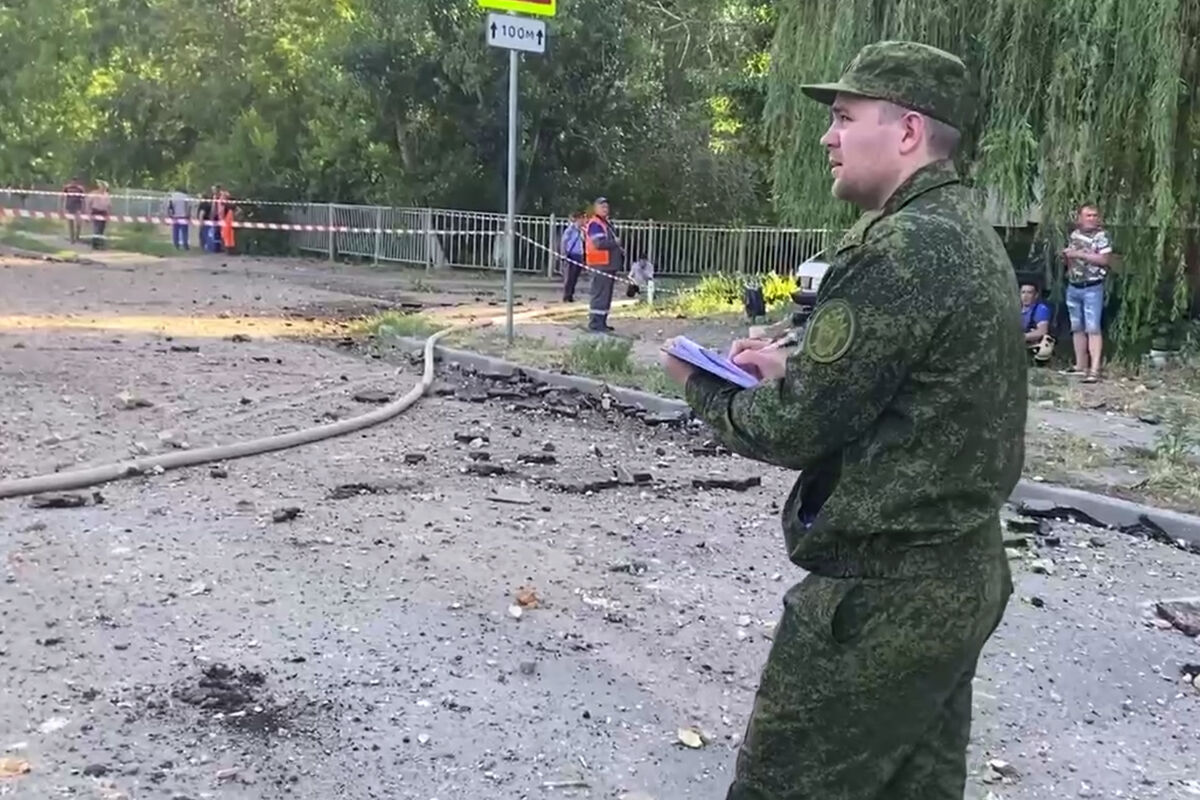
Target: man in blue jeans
(1089, 257)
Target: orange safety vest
(593, 256)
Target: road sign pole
(510, 223)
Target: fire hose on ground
(105, 473)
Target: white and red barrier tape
(158, 198)
(259, 226)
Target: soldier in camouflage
(903, 408)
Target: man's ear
(913, 130)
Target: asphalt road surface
(521, 595)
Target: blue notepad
(712, 362)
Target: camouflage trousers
(866, 694)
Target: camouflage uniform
(904, 409)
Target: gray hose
(92, 476)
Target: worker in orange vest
(604, 256)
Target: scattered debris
(372, 396)
(527, 597)
(1184, 614)
(173, 439)
(1040, 510)
(510, 498)
(484, 469)
(999, 771)
(537, 458)
(221, 688)
(63, 500)
(415, 458)
(285, 514)
(348, 490)
(13, 767)
(1042, 566)
(218, 472)
(240, 338)
(734, 484)
(128, 401)
(691, 737)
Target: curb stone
(1110, 511)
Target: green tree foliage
(1079, 101)
(653, 102)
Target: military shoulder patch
(830, 332)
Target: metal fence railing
(436, 238)
(439, 238)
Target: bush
(722, 293)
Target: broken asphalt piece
(185, 348)
(485, 470)
(999, 771)
(1035, 509)
(468, 396)
(129, 401)
(537, 458)
(710, 449)
(1146, 528)
(218, 472)
(58, 500)
(734, 484)
(466, 437)
(1023, 525)
(285, 514)
(585, 486)
(632, 478)
(505, 394)
(633, 568)
(1184, 614)
(563, 411)
(479, 455)
(415, 458)
(348, 490)
(677, 418)
(1150, 419)
(240, 338)
(372, 396)
(95, 770)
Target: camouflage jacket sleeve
(872, 322)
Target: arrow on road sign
(516, 33)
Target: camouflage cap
(909, 74)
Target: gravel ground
(176, 641)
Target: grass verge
(392, 324)
(23, 241)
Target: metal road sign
(540, 8)
(516, 33)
